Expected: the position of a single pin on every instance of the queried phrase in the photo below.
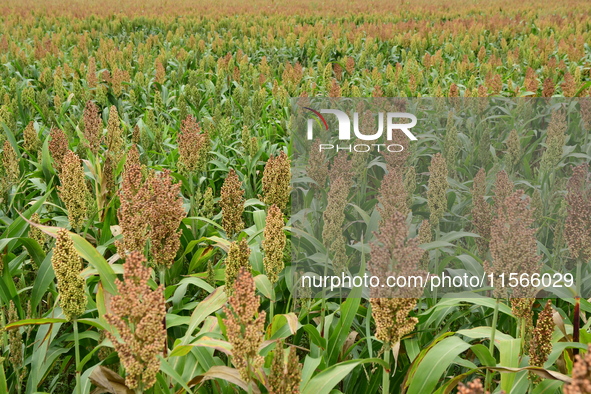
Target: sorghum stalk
(491, 345)
(386, 373)
(77, 350)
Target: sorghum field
(146, 187)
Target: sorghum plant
(245, 326)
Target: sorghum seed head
(15, 339)
(276, 181)
(67, 266)
(191, 143)
(577, 228)
(58, 147)
(232, 204)
(393, 196)
(317, 168)
(581, 375)
(164, 213)
(32, 143)
(273, 243)
(285, 377)
(541, 344)
(92, 127)
(555, 140)
(10, 164)
(238, 255)
(73, 190)
(207, 207)
(437, 192)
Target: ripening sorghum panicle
(245, 326)
(548, 87)
(91, 78)
(273, 243)
(237, 258)
(10, 168)
(208, 204)
(317, 168)
(502, 189)
(73, 190)
(138, 313)
(531, 82)
(92, 127)
(285, 376)
(164, 213)
(425, 236)
(191, 142)
(410, 184)
(451, 143)
(581, 375)
(15, 339)
(114, 138)
(133, 198)
(577, 228)
(541, 342)
(341, 167)
(482, 214)
(437, 189)
(392, 194)
(67, 266)
(160, 76)
(276, 180)
(133, 158)
(537, 205)
(360, 160)
(569, 86)
(250, 143)
(58, 147)
(392, 319)
(334, 218)
(473, 387)
(555, 140)
(31, 141)
(393, 254)
(119, 76)
(514, 150)
(232, 204)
